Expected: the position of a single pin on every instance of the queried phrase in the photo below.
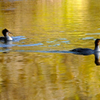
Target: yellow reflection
(49, 76)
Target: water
(37, 65)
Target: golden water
(58, 25)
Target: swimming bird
(87, 51)
(6, 37)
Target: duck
(87, 51)
(6, 37)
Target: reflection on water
(46, 76)
(97, 58)
(37, 65)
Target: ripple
(51, 41)
(26, 45)
(54, 45)
(67, 42)
(62, 39)
(18, 38)
(87, 38)
(6, 45)
(92, 33)
(55, 51)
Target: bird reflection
(87, 51)
(97, 58)
(6, 46)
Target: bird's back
(2, 38)
(82, 51)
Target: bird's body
(87, 51)
(83, 51)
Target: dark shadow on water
(96, 54)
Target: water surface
(37, 65)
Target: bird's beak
(10, 33)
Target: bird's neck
(8, 37)
(97, 48)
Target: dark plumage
(87, 51)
